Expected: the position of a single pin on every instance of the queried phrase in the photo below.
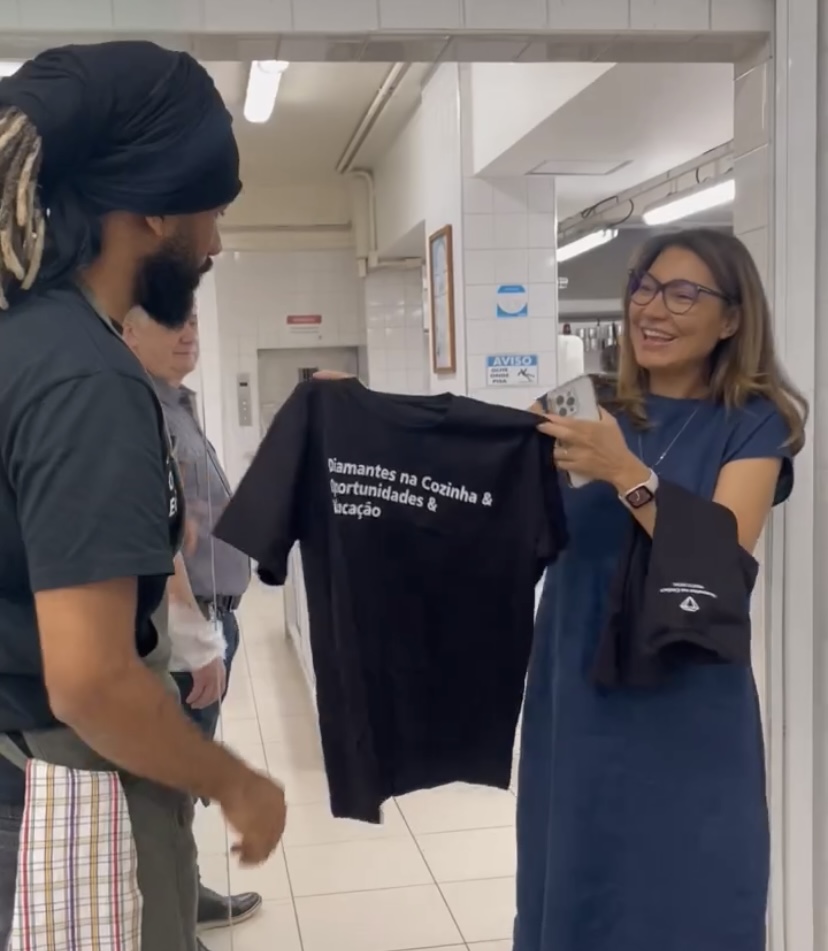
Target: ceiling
(633, 123)
(318, 110)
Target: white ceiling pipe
(388, 87)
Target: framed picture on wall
(441, 289)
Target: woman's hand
(332, 375)
(595, 450)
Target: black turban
(127, 126)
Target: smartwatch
(641, 494)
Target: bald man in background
(210, 577)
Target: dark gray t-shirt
(86, 487)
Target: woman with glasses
(642, 818)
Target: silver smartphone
(577, 399)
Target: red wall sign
(304, 320)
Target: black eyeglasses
(679, 296)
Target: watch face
(639, 496)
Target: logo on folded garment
(692, 593)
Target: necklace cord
(670, 445)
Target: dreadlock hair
(22, 219)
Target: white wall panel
(606, 16)
(510, 102)
(156, 15)
(400, 185)
(335, 16)
(191, 18)
(497, 15)
(420, 15)
(62, 15)
(251, 15)
(742, 15)
(669, 15)
(207, 378)
(785, 100)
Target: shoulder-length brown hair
(742, 366)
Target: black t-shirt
(425, 524)
(86, 486)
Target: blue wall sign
(512, 369)
(512, 301)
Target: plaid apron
(77, 879)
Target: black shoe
(218, 911)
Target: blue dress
(642, 817)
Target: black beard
(166, 285)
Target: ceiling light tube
(263, 88)
(588, 243)
(698, 200)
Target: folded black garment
(682, 597)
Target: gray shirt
(214, 567)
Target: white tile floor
(438, 875)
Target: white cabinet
(297, 621)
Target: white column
(509, 274)
(776, 184)
(511, 289)
(753, 224)
(814, 138)
(803, 520)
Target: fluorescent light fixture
(263, 88)
(700, 199)
(8, 68)
(588, 243)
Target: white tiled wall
(256, 292)
(397, 342)
(504, 233)
(509, 229)
(312, 16)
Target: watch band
(641, 494)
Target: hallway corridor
(438, 875)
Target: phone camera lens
(559, 400)
(563, 411)
(571, 401)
